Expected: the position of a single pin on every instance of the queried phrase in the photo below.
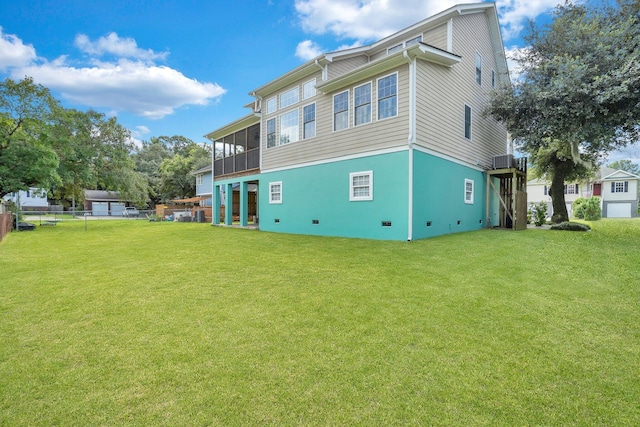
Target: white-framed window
(199, 179)
(545, 190)
(493, 78)
(361, 186)
(271, 133)
(467, 121)
(272, 105)
(275, 192)
(468, 191)
(388, 96)
(309, 121)
(309, 89)
(393, 49)
(478, 68)
(413, 41)
(571, 189)
(289, 127)
(362, 104)
(620, 187)
(341, 110)
(289, 97)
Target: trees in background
(625, 165)
(579, 95)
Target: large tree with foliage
(177, 172)
(26, 160)
(625, 165)
(578, 97)
(148, 159)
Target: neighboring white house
(617, 189)
(33, 199)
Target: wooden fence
(5, 224)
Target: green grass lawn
(183, 324)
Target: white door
(100, 208)
(619, 210)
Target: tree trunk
(560, 170)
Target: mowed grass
(180, 324)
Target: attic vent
(505, 161)
(386, 223)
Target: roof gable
(620, 174)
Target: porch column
(228, 208)
(216, 204)
(244, 203)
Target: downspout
(213, 186)
(411, 140)
(323, 69)
(258, 112)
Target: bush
(578, 207)
(588, 209)
(537, 213)
(571, 226)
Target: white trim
(450, 35)
(271, 193)
(353, 198)
(469, 181)
(411, 142)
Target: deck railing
(237, 163)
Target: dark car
(26, 226)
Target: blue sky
(186, 67)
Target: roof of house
(98, 195)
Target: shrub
(571, 226)
(539, 213)
(592, 211)
(578, 207)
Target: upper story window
(341, 110)
(493, 78)
(468, 191)
(272, 105)
(289, 127)
(467, 122)
(309, 121)
(289, 97)
(387, 96)
(199, 179)
(571, 189)
(620, 187)
(362, 104)
(361, 186)
(394, 49)
(271, 133)
(413, 41)
(309, 89)
(478, 68)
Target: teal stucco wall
(321, 192)
(439, 197)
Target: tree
(25, 159)
(579, 95)
(148, 159)
(625, 165)
(177, 172)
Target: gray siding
(343, 66)
(442, 93)
(327, 144)
(436, 37)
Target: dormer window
(413, 41)
(394, 49)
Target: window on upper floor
(620, 187)
(272, 105)
(362, 104)
(309, 121)
(393, 49)
(309, 89)
(271, 133)
(478, 68)
(545, 191)
(361, 186)
(341, 110)
(468, 191)
(387, 96)
(571, 189)
(289, 127)
(493, 78)
(467, 122)
(289, 97)
(199, 179)
(413, 41)
(275, 192)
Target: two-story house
(385, 141)
(617, 190)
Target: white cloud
(370, 20)
(307, 50)
(131, 82)
(14, 53)
(137, 134)
(512, 54)
(112, 44)
(143, 90)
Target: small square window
(361, 186)
(275, 192)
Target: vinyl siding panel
(377, 135)
(442, 93)
(436, 37)
(343, 66)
